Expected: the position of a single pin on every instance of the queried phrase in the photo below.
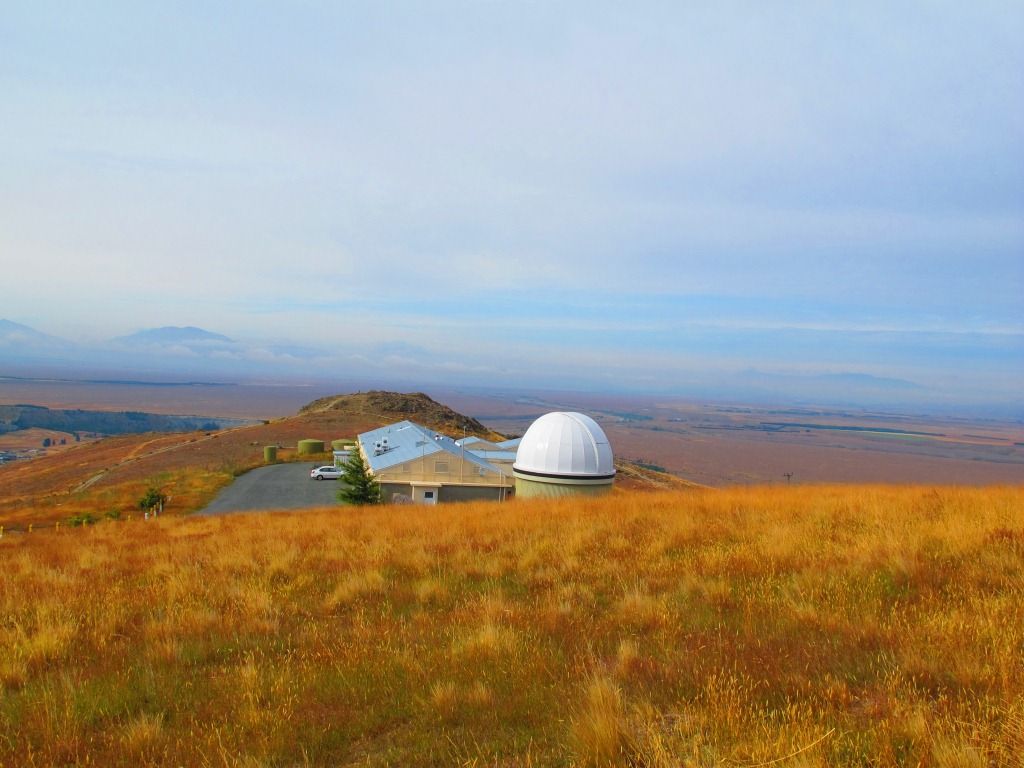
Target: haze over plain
(667, 198)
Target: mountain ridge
(173, 334)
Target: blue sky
(573, 193)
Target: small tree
(359, 485)
(152, 499)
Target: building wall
(442, 468)
(474, 493)
(387, 490)
(448, 493)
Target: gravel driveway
(279, 486)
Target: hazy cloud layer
(549, 191)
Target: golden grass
(804, 626)
(189, 489)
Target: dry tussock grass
(823, 626)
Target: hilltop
(398, 406)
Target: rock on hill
(396, 406)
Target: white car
(329, 472)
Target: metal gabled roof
(407, 441)
(493, 455)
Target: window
(441, 467)
(428, 494)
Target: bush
(153, 498)
(86, 518)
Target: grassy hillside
(110, 475)
(804, 626)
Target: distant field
(719, 445)
(26, 439)
(819, 626)
(710, 444)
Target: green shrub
(153, 498)
(86, 518)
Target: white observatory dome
(564, 446)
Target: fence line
(6, 530)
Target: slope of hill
(109, 475)
(825, 626)
(630, 476)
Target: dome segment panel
(565, 445)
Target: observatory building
(418, 464)
(563, 454)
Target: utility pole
(788, 476)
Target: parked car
(329, 472)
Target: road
(186, 440)
(280, 486)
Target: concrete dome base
(533, 489)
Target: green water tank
(270, 454)
(310, 446)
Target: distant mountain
(171, 334)
(21, 345)
(15, 334)
(828, 381)
(867, 380)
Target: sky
(630, 196)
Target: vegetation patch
(815, 626)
